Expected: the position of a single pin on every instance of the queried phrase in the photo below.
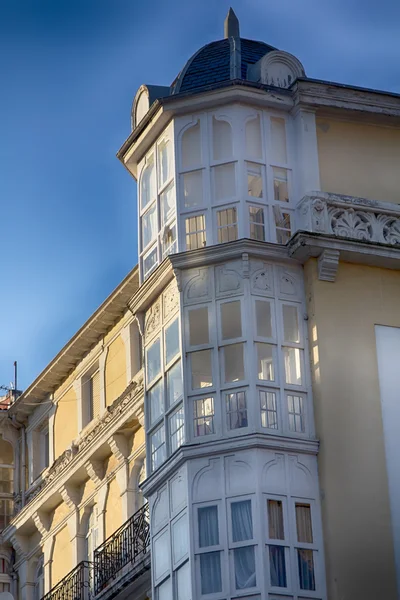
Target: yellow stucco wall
(113, 508)
(60, 512)
(115, 370)
(62, 556)
(352, 466)
(359, 159)
(65, 422)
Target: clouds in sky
(69, 72)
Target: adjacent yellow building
(225, 425)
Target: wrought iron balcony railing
(127, 545)
(77, 585)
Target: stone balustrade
(349, 217)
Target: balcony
(118, 562)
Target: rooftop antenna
(231, 25)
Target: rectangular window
(303, 523)
(242, 521)
(167, 201)
(169, 239)
(233, 362)
(254, 180)
(305, 561)
(171, 341)
(257, 225)
(296, 413)
(210, 563)
(183, 582)
(269, 415)
(278, 140)
(164, 591)
(158, 453)
(292, 361)
(94, 395)
(176, 429)
(153, 361)
(245, 567)
(224, 182)
(174, 383)
(277, 566)
(150, 262)
(192, 184)
(265, 362)
(6, 480)
(282, 225)
(201, 369)
(198, 326)
(227, 225)
(281, 186)
(195, 230)
(263, 319)
(236, 410)
(164, 161)
(291, 331)
(275, 520)
(155, 396)
(231, 321)
(203, 417)
(149, 225)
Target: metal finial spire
(231, 25)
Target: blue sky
(69, 71)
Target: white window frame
(232, 546)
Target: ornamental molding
(349, 218)
(77, 454)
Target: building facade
(224, 425)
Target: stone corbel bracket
(119, 446)
(328, 264)
(71, 495)
(42, 522)
(95, 469)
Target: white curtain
(242, 530)
(277, 566)
(210, 565)
(303, 522)
(306, 569)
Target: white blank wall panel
(388, 352)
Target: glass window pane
(231, 322)
(167, 200)
(171, 341)
(150, 262)
(265, 362)
(253, 137)
(208, 526)
(192, 185)
(195, 228)
(256, 221)
(210, 573)
(296, 413)
(281, 186)
(164, 162)
(234, 362)
(6, 453)
(263, 319)
(191, 147)
(149, 225)
(283, 225)
(227, 225)
(6, 480)
(305, 561)
(201, 369)
(183, 582)
(158, 453)
(222, 139)
(148, 183)
(169, 239)
(303, 523)
(277, 566)
(176, 429)
(164, 591)
(174, 383)
(198, 326)
(269, 414)
(242, 521)
(224, 182)
(275, 520)
(155, 396)
(290, 323)
(245, 567)
(236, 410)
(292, 360)
(278, 140)
(161, 553)
(254, 180)
(204, 417)
(153, 361)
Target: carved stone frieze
(152, 319)
(170, 299)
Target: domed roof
(212, 63)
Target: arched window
(91, 534)
(39, 580)
(191, 147)
(4, 574)
(222, 140)
(6, 482)
(191, 167)
(164, 162)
